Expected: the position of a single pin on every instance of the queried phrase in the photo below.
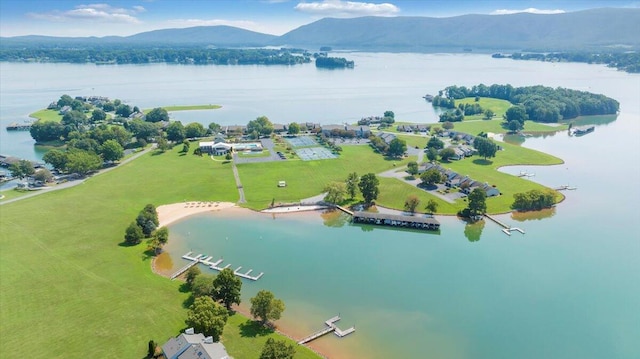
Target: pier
(331, 327)
(505, 228)
(215, 265)
(427, 223)
(19, 126)
(566, 187)
(345, 210)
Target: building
(215, 148)
(190, 345)
(386, 137)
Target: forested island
(624, 61)
(333, 62)
(536, 103)
(198, 56)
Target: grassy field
(495, 126)
(186, 108)
(306, 178)
(499, 107)
(71, 289)
(47, 115)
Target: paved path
(73, 183)
(237, 177)
(400, 174)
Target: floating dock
(394, 220)
(331, 327)
(26, 126)
(207, 260)
(566, 187)
(505, 228)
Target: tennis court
(302, 141)
(314, 153)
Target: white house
(215, 148)
(190, 345)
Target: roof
(395, 217)
(193, 346)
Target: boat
(581, 131)
(428, 97)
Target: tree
(112, 151)
(98, 115)
(447, 154)
(488, 114)
(21, 169)
(202, 285)
(160, 237)
(43, 175)
(123, 110)
(335, 192)
(191, 275)
(158, 114)
(175, 131)
(194, 129)
(514, 126)
(82, 162)
(411, 203)
(389, 114)
(142, 129)
(226, 288)
(432, 206)
(56, 158)
(151, 352)
(369, 187)
(228, 156)
(65, 100)
(352, 184)
(397, 147)
(486, 148)
(432, 154)
(73, 119)
(431, 177)
(447, 125)
(133, 235)
(109, 107)
(185, 146)
(412, 168)
(516, 113)
(265, 307)
(214, 128)
(477, 202)
(294, 128)
(43, 131)
(148, 219)
(261, 126)
(163, 144)
(277, 350)
(207, 317)
(435, 142)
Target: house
(219, 138)
(64, 110)
(280, 128)
(386, 137)
(329, 130)
(371, 120)
(234, 130)
(215, 148)
(190, 345)
(361, 131)
(413, 128)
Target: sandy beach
(170, 213)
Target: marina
(215, 265)
(426, 223)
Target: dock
(345, 210)
(566, 187)
(330, 327)
(207, 261)
(505, 228)
(26, 126)
(426, 223)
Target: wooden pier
(345, 210)
(26, 126)
(505, 228)
(207, 260)
(331, 327)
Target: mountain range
(596, 29)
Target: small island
(333, 62)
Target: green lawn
(495, 126)
(47, 115)
(499, 107)
(243, 336)
(70, 288)
(186, 108)
(306, 178)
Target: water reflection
(334, 218)
(534, 215)
(473, 230)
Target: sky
(119, 17)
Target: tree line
(542, 104)
(624, 61)
(198, 56)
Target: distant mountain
(588, 29)
(595, 29)
(210, 35)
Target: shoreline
(171, 213)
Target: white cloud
(93, 12)
(530, 10)
(347, 8)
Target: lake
(568, 288)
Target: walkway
(73, 183)
(237, 177)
